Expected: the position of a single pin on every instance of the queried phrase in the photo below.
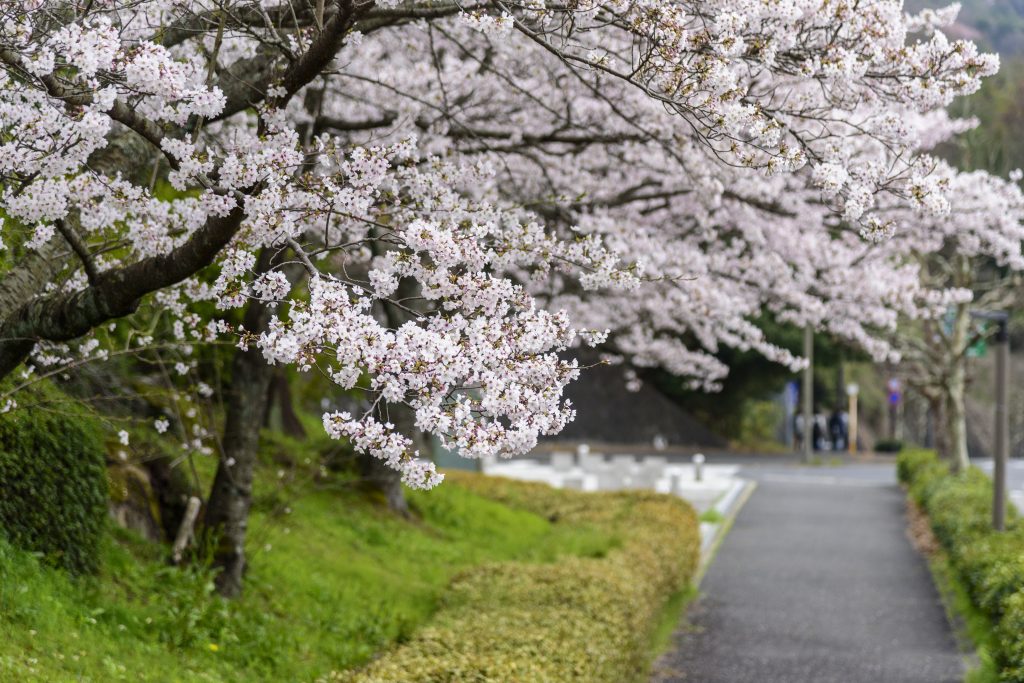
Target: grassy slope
(333, 579)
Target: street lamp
(1002, 445)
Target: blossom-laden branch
(514, 178)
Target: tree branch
(78, 246)
(114, 294)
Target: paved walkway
(817, 583)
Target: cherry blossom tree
(465, 191)
(969, 259)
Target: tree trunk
(171, 489)
(955, 418)
(956, 425)
(280, 409)
(377, 477)
(380, 479)
(227, 510)
(931, 422)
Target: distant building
(607, 412)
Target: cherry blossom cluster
(714, 245)
(456, 195)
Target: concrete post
(698, 467)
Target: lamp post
(1002, 445)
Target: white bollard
(698, 467)
(582, 451)
(673, 484)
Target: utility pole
(1002, 425)
(851, 437)
(808, 394)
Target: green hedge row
(53, 479)
(990, 564)
(577, 619)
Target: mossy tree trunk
(171, 491)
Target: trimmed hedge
(53, 480)
(576, 619)
(990, 564)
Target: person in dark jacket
(837, 430)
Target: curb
(729, 505)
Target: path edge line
(733, 509)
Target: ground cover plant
(580, 618)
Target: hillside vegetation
(334, 579)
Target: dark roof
(608, 412)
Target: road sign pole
(895, 398)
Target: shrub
(888, 446)
(578, 618)
(990, 563)
(53, 482)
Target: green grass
(711, 516)
(332, 580)
(670, 619)
(819, 461)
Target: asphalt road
(817, 583)
(1014, 478)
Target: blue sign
(894, 391)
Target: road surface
(817, 583)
